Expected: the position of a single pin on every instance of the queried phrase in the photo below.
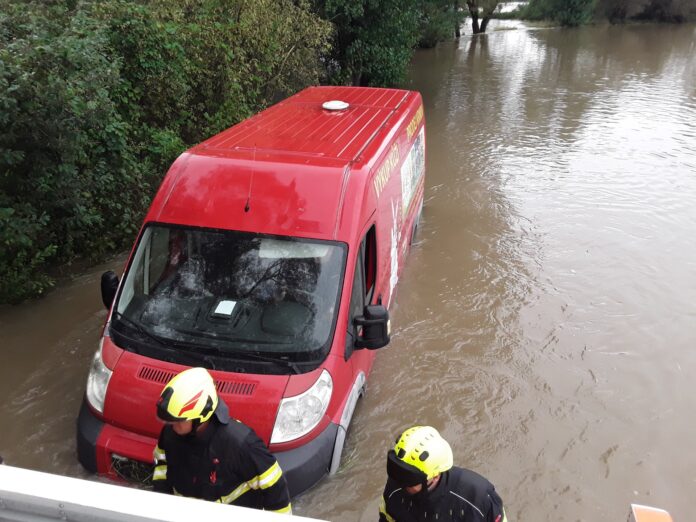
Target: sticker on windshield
(225, 308)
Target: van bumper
(99, 443)
(305, 466)
(88, 429)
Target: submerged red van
(269, 256)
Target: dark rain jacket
(226, 462)
(461, 495)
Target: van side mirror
(375, 327)
(109, 285)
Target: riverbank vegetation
(579, 12)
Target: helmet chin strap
(426, 486)
(422, 495)
(194, 428)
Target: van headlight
(298, 415)
(98, 381)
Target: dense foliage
(97, 99)
(439, 21)
(565, 12)
(676, 11)
(577, 12)
(374, 39)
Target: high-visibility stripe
(160, 472)
(267, 478)
(238, 492)
(263, 481)
(286, 510)
(159, 454)
(383, 510)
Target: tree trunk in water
(484, 23)
(457, 29)
(475, 23)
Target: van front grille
(235, 388)
(131, 470)
(155, 375)
(149, 373)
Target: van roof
(282, 171)
(300, 126)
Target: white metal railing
(33, 496)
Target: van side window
(357, 303)
(364, 282)
(157, 259)
(370, 263)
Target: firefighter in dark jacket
(423, 484)
(204, 453)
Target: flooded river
(546, 319)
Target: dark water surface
(546, 319)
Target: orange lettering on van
(415, 122)
(385, 171)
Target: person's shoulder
(469, 476)
(235, 430)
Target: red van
(269, 256)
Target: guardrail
(33, 496)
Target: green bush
(438, 19)
(66, 172)
(373, 39)
(565, 12)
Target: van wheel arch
(416, 224)
(357, 391)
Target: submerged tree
(481, 10)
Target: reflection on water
(545, 319)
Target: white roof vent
(335, 105)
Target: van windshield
(230, 295)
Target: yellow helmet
(419, 455)
(190, 395)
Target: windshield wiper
(171, 346)
(141, 330)
(258, 357)
(248, 355)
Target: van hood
(137, 382)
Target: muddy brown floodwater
(546, 319)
